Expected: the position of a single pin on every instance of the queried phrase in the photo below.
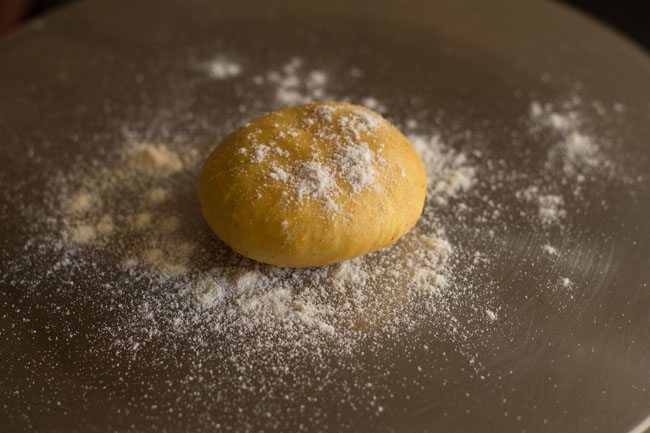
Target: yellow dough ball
(312, 184)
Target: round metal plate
(548, 365)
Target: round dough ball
(312, 184)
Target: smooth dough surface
(311, 185)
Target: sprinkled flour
(120, 236)
(353, 164)
(551, 207)
(448, 172)
(292, 87)
(222, 68)
(550, 249)
(575, 151)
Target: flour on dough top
(340, 159)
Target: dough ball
(312, 184)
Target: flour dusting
(117, 238)
(222, 68)
(351, 169)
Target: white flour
(550, 250)
(353, 163)
(575, 151)
(222, 68)
(448, 172)
(124, 231)
(214, 277)
(550, 207)
(574, 156)
(295, 86)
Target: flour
(158, 195)
(291, 88)
(550, 250)
(97, 213)
(577, 153)
(222, 68)
(353, 164)
(149, 239)
(82, 233)
(120, 237)
(574, 156)
(373, 104)
(550, 207)
(449, 173)
(314, 180)
(575, 150)
(82, 203)
(155, 160)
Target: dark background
(631, 17)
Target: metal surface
(582, 368)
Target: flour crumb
(295, 86)
(209, 291)
(105, 226)
(223, 68)
(373, 104)
(577, 152)
(82, 202)
(551, 209)
(158, 195)
(83, 234)
(550, 206)
(550, 250)
(153, 159)
(142, 220)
